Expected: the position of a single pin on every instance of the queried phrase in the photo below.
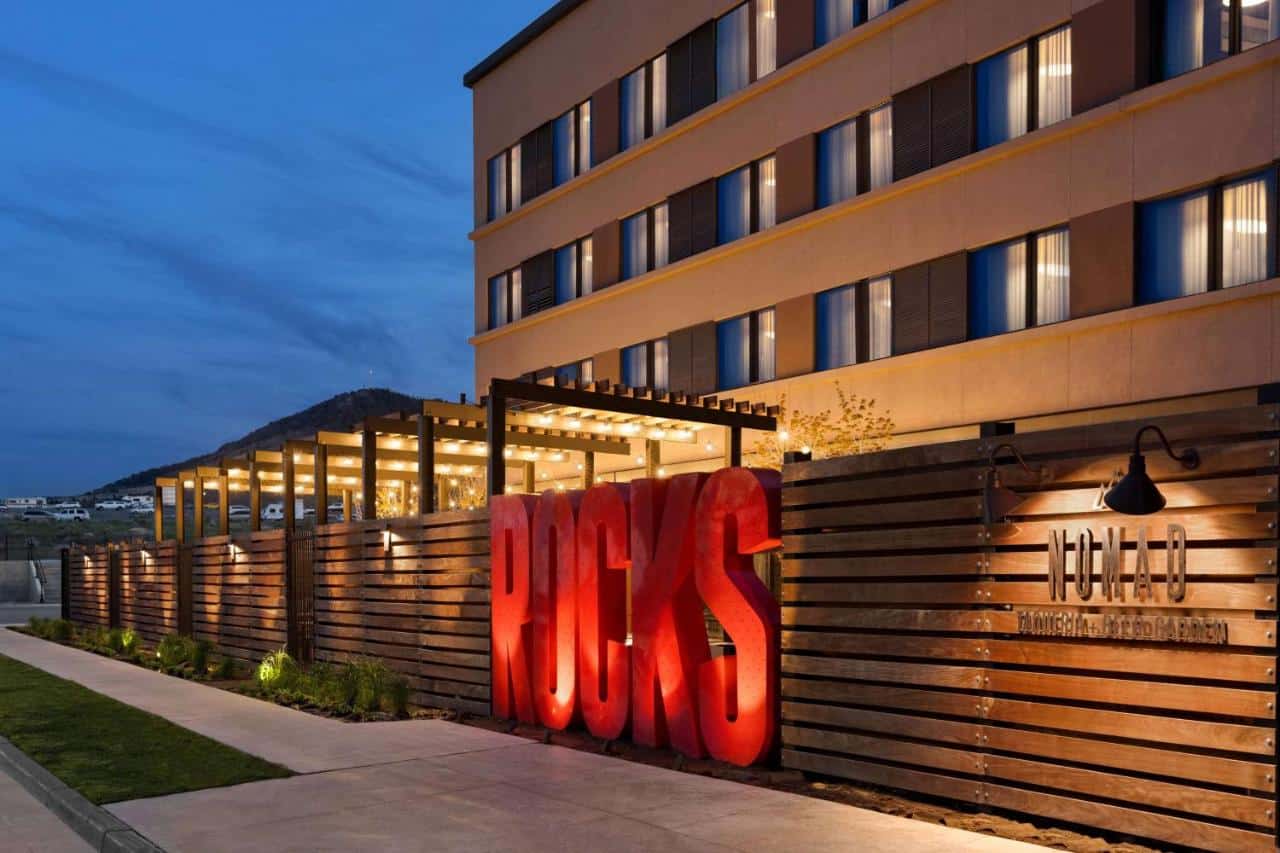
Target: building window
(646, 365)
(741, 59)
(506, 298)
(834, 18)
(766, 37)
(571, 143)
(745, 350)
(643, 102)
(644, 241)
(1021, 283)
(504, 182)
(1194, 33)
(1220, 236)
(573, 270)
(854, 323)
(1008, 104)
(577, 371)
(864, 143)
(746, 201)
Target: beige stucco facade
(1214, 122)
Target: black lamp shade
(1135, 494)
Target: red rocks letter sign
(560, 623)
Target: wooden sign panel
(1068, 662)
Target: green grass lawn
(109, 751)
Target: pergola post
(286, 458)
(496, 425)
(180, 508)
(652, 457)
(406, 495)
(255, 496)
(735, 447)
(426, 464)
(198, 526)
(347, 501)
(322, 483)
(224, 503)
(369, 473)
(530, 486)
(588, 469)
(159, 511)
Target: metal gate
(186, 625)
(300, 589)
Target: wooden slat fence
(148, 594)
(422, 607)
(87, 585)
(922, 649)
(238, 593)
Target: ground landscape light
(1136, 494)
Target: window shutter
(680, 226)
(911, 309)
(1102, 268)
(911, 131)
(702, 72)
(795, 29)
(702, 370)
(796, 165)
(538, 279)
(680, 359)
(951, 109)
(528, 167)
(546, 157)
(1110, 52)
(604, 123)
(606, 255)
(679, 75)
(948, 299)
(703, 203)
(607, 366)
(794, 336)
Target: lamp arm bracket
(1190, 458)
(1040, 472)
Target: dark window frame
(507, 296)
(753, 189)
(650, 214)
(1032, 44)
(577, 169)
(861, 322)
(1031, 266)
(649, 131)
(650, 351)
(507, 154)
(580, 284)
(753, 347)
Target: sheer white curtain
(733, 52)
(880, 317)
(1015, 286)
(498, 186)
(878, 7)
(1194, 253)
(834, 17)
(881, 127)
(1053, 276)
(498, 301)
(1245, 255)
(658, 108)
(765, 347)
(766, 37)
(632, 108)
(838, 334)
(1054, 77)
(584, 137)
(517, 295)
(838, 163)
(635, 245)
(587, 268)
(660, 238)
(1002, 97)
(514, 167)
(660, 360)
(1174, 247)
(635, 366)
(767, 193)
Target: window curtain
(1246, 255)
(1053, 276)
(834, 18)
(566, 274)
(513, 168)
(1182, 36)
(733, 199)
(766, 345)
(658, 109)
(766, 37)
(767, 193)
(584, 137)
(1054, 77)
(660, 360)
(880, 317)
(1002, 97)
(837, 163)
(1174, 251)
(875, 8)
(635, 366)
(733, 52)
(516, 308)
(631, 108)
(587, 268)
(837, 328)
(564, 153)
(1260, 22)
(587, 370)
(881, 133)
(733, 353)
(660, 236)
(998, 289)
(498, 301)
(635, 245)
(498, 186)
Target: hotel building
(968, 210)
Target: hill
(338, 413)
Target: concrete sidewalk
(434, 785)
(26, 826)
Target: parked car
(36, 515)
(239, 511)
(111, 504)
(66, 514)
(142, 509)
(334, 512)
(273, 512)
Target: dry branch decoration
(857, 427)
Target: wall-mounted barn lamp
(998, 500)
(1136, 494)
(386, 539)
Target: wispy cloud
(417, 171)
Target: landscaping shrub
(129, 642)
(278, 671)
(362, 687)
(57, 630)
(225, 669)
(172, 651)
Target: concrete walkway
(434, 785)
(26, 826)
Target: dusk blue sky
(213, 215)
